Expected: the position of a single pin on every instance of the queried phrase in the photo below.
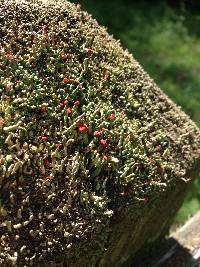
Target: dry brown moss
(84, 132)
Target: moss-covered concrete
(95, 159)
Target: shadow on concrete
(166, 253)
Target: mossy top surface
(84, 131)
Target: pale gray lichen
(84, 132)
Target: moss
(85, 133)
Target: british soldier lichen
(78, 135)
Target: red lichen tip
(73, 80)
(155, 168)
(44, 138)
(46, 162)
(111, 117)
(105, 158)
(58, 145)
(69, 111)
(97, 133)
(65, 80)
(65, 103)
(44, 109)
(36, 109)
(83, 128)
(77, 103)
(104, 142)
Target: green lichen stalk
(84, 133)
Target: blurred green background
(164, 36)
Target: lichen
(84, 132)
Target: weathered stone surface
(95, 160)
